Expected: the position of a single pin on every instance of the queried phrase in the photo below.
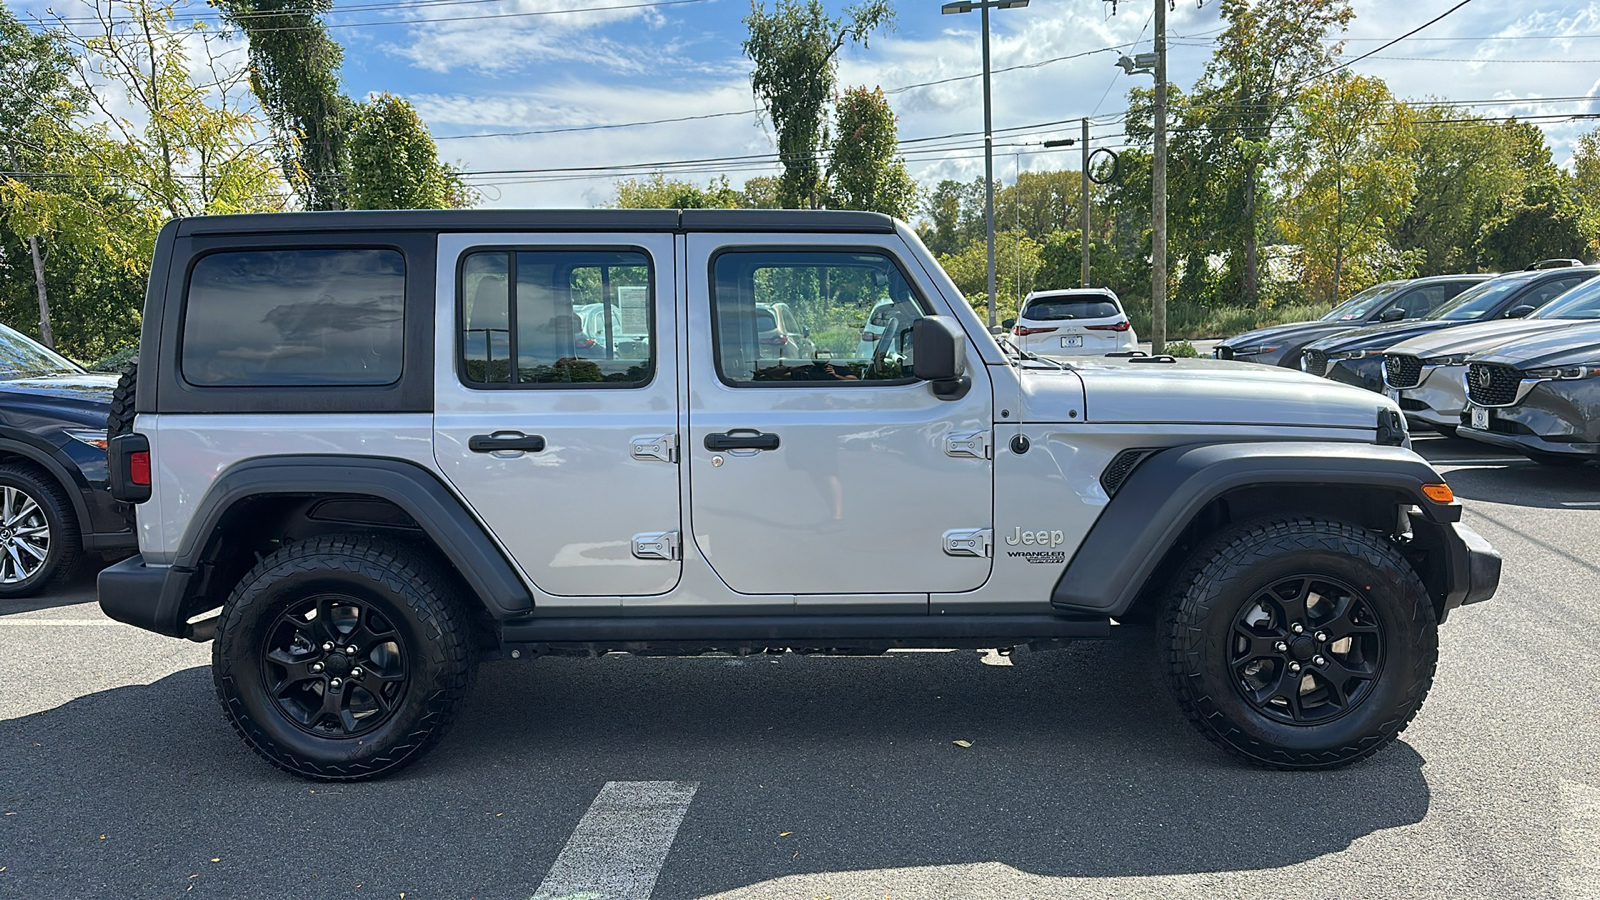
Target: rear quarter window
(295, 317)
(1058, 308)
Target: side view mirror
(1008, 324)
(939, 356)
(1392, 314)
(1517, 312)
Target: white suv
(1078, 322)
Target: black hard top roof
(626, 220)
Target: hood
(1562, 347)
(83, 387)
(1199, 391)
(1294, 332)
(1475, 337)
(1380, 337)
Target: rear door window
(1053, 309)
(296, 317)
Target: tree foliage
(394, 163)
(294, 73)
(1017, 261)
(795, 50)
(865, 169)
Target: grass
(1191, 321)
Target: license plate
(1393, 394)
(1480, 418)
(1074, 341)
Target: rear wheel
(40, 544)
(1300, 643)
(341, 658)
(119, 419)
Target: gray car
(1539, 396)
(1425, 374)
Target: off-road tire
(410, 594)
(65, 551)
(120, 418)
(1218, 585)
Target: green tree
(795, 49)
(953, 216)
(865, 169)
(294, 73)
(1542, 219)
(1263, 59)
(760, 192)
(394, 163)
(1349, 173)
(1586, 180)
(1039, 203)
(1464, 167)
(1017, 261)
(659, 192)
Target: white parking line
(70, 623)
(1580, 503)
(621, 843)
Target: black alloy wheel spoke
(296, 669)
(1294, 608)
(1337, 693)
(373, 684)
(315, 678)
(1257, 645)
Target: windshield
(22, 357)
(1474, 302)
(1582, 302)
(1363, 303)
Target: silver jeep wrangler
(370, 449)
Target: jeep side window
(287, 318)
(568, 318)
(784, 316)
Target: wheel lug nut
(327, 647)
(1321, 661)
(1280, 646)
(351, 650)
(356, 672)
(1293, 667)
(1297, 628)
(316, 667)
(334, 683)
(1322, 636)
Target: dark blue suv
(55, 506)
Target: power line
(515, 15)
(1350, 62)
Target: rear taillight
(1020, 331)
(778, 341)
(1120, 326)
(139, 468)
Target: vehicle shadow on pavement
(1530, 485)
(1078, 765)
(79, 589)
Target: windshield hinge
(969, 542)
(656, 545)
(969, 444)
(659, 447)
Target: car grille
(1316, 362)
(1410, 405)
(1402, 371)
(1492, 385)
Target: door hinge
(656, 545)
(659, 447)
(970, 444)
(969, 542)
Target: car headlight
(1459, 359)
(94, 437)
(1253, 351)
(1353, 354)
(1566, 373)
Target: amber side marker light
(1439, 493)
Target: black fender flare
(64, 474)
(409, 486)
(1154, 505)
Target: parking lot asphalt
(781, 777)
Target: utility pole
(1083, 201)
(983, 6)
(1158, 193)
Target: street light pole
(1158, 192)
(1083, 202)
(983, 6)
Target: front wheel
(341, 658)
(40, 543)
(1300, 643)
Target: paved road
(806, 777)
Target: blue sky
(470, 74)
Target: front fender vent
(1122, 465)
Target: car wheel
(1559, 460)
(1300, 643)
(39, 540)
(119, 419)
(341, 658)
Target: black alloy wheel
(335, 665)
(1306, 649)
(1300, 643)
(343, 657)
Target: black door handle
(742, 439)
(505, 440)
